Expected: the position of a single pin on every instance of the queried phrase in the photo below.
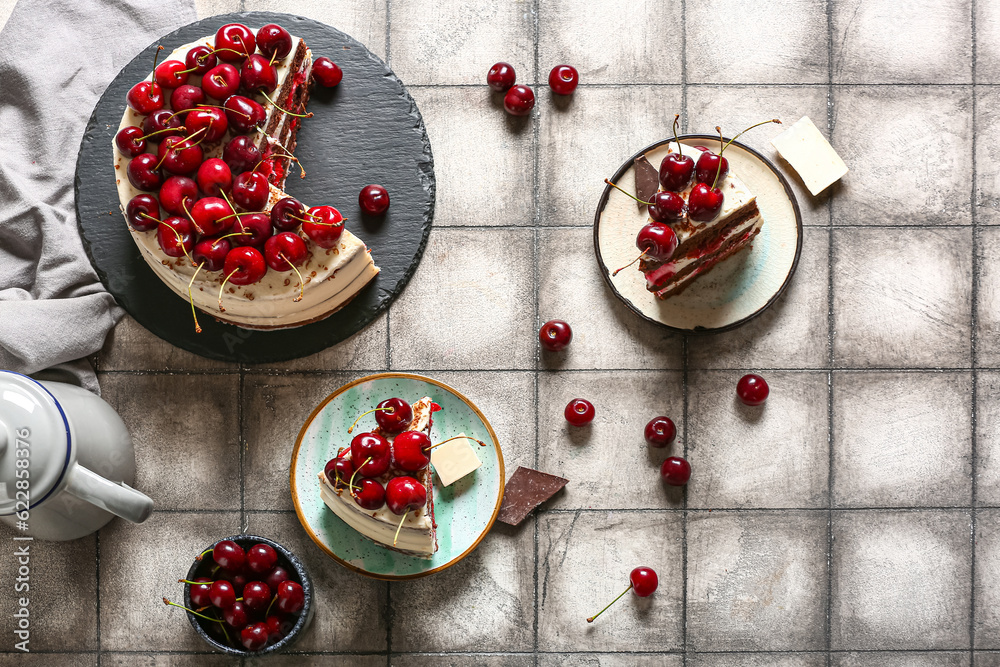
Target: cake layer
(731, 244)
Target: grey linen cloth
(56, 59)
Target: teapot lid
(33, 428)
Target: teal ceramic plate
(735, 291)
(464, 511)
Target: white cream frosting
(331, 277)
(753, 223)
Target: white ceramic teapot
(66, 461)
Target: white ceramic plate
(737, 289)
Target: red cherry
(338, 471)
(222, 594)
(708, 166)
(660, 431)
(393, 415)
(656, 240)
(285, 250)
(234, 42)
(275, 577)
(253, 229)
(186, 97)
(162, 124)
(143, 213)
(704, 202)
(212, 216)
(373, 200)
(221, 81)
(555, 335)
(236, 615)
(145, 97)
(519, 100)
(278, 627)
(563, 79)
(501, 77)
(291, 597)
(130, 141)
(178, 195)
(244, 114)
(258, 75)
(579, 412)
(210, 119)
(752, 389)
(287, 214)
(201, 58)
(257, 595)
(371, 495)
(676, 171)
(214, 178)
(642, 582)
(666, 206)
(241, 154)
(143, 173)
(403, 494)
(211, 253)
(179, 155)
(251, 190)
(324, 226)
(244, 266)
(254, 637)
(375, 447)
(170, 74)
(675, 471)
(200, 592)
(274, 42)
(229, 555)
(411, 451)
(327, 72)
(175, 236)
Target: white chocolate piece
(454, 460)
(811, 155)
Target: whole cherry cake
(201, 155)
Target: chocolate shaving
(647, 179)
(526, 490)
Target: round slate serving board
(737, 289)
(366, 130)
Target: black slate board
(366, 130)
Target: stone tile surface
(987, 42)
(462, 660)
(314, 660)
(987, 581)
(896, 306)
(987, 156)
(609, 660)
(988, 302)
(364, 350)
(988, 438)
(168, 660)
(757, 660)
(364, 20)
(900, 659)
(131, 347)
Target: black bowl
(287, 560)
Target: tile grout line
(537, 218)
(684, 378)
(973, 349)
(272, 372)
(828, 620)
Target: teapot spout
(119, 499)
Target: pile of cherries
(520, 100)
(752, 390)
(248, 596)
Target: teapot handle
(119, 499)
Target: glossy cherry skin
(656, 240)
(256, 595)
(287, 214)
(222, 594)
(660, 431)
(519, 100)
(241, 154)
(175, 235)
(201, 59)
(371, 495)
(229, 555)
(411, 451)
(752, 390)
(250, 191)
(403, 494)
(704, 202)
(170, 74)
(274, 41)
(555, 335)
(186, 97)
(143, 213)
(501, 77)
(284, 250)
(325, 225)
(365, 445)
(258, 75)
(327, 72)
(644, 581)
(142, 172)
(338, 471)
(275, 577)
(676, 171)
(212, 216)
(211, 253)
(579, 412)
(234, 42)
(254, 637)
(291, 597)
(158, 121)
(394, 415)
(244, 114)
(200, 592)
(261, 558)
(145, 97)
(210, 119)
(675, 471)
(666, 207)
(373, 200)
(130, 141)
(708, 165)
(563, 79)
(221, 81)
(214, 177)
(236, 616)
(178, 195)
(277, 627)
(253, 229)
(180, 156)
(245, 264)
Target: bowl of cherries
(247, 595)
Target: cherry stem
(312, 219)
(156, 56)
(180, 239)
(268, 612)
(202, 554)
(617, 271)
(199, 229)
(221, 309)
(195, 583)
(345, 483)
(301, 287)
(399, 528)
(591, 619)
(191, 611)
(166, 129)
(286, 111)
(194, 314)
(146, 215)
(243, 233)
(388, 409)
(292, 158)
(225, 632)
(623, 191)
(223, 48)
(481, 443)
(351, 483)
(718, 169)
(676, 142)
(763, 122)
(273, 56)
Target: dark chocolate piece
(647, 179)
(526, 490)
